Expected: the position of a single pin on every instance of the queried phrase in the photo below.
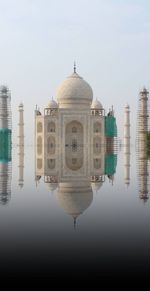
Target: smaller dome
(37, 178)
(96, 104)
(144, 91)
(52, 104)
(4, 198)
(4, 90)
(52, 186)
(96, 185)
(127, 106)
(21, 105)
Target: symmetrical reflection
(74, 144)
(74, 178)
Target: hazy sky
(40, 39)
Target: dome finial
(75, 222)
(74, 68)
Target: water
(38, 237)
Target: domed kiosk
(96, 105)
(52, 104)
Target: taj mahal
(74, 144)
(76, 122)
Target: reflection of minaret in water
(142, 155)
(143, 177)
(143, 173)
(5, 180)
(126, 144)
(21, 145)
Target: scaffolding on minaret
(141, 147)
(5, 145)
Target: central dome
(74, 200)
(74, 91)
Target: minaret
(142, 158)
(21, 145)
(126, 144)
(5, 110)
(5, 118)
(142, 118)
(5, 145)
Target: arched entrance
(74, 145)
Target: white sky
(40, 39)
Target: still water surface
(37, 235)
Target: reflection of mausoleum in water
(75, 144)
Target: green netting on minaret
(110, 126)
(110, 164)
(5, 145)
